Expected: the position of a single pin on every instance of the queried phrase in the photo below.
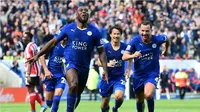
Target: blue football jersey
(116, 55)
(148, 62)
(80, 43)
(55, 60)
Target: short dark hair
(115, 27)
(146, 22)
(29, 34)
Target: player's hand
(48, 74)
(137, 54)
(28, 78)
(127, 74)
(165, 53)
(32, 60)
(112, 63)
(105, 77)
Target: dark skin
(26, 39)
(82, 16)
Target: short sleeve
(131, 46)
(62, 33)
(162, 39)
(99, 40)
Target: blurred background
(178, 19)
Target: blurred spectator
(94, 62)
(165, 81)
(194, 81)
(15, 68)
(181, 81)
(1, 53)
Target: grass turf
(192, 105)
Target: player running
(82, 37)
(54, 76)
(114, 52)
(145, 50)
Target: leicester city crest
(154, 45)
(89, 33)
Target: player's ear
(139, 30)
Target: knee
(73, 86)
(148, 95)
(105, 103)
(119, 97)
(140, 100)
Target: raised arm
(47, 47)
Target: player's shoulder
(93, 27)
(160, 37)
(30, 44)
(106, 44)
(123, 44)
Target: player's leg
(50, 88)
(36, 81)
(32, 96)
(105, 104)
(82, 80)
(72, 79)
(60, 86)
(140, 101)
(105, 91)
(138, 87)
(49, 98)
(119, 89)
(148, 93)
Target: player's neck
(149, 40)
(81, 26)
(115, 45)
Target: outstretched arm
(47, 47)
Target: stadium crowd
(179, 20)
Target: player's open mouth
(84, 15)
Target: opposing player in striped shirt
(32, 71)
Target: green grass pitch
(192, 105)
